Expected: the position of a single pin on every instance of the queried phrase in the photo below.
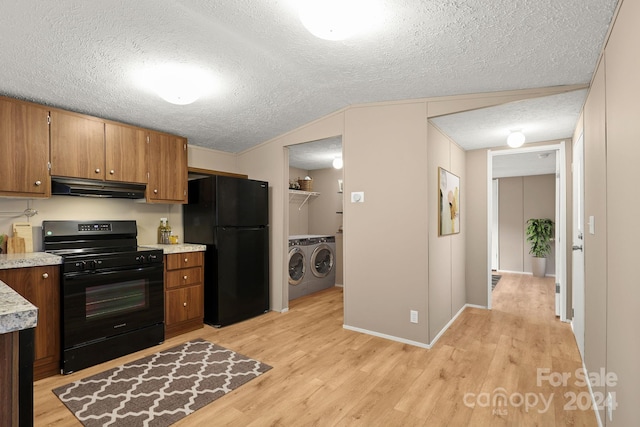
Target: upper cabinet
(24, 146)
(41, 142)
(126, 153)
(167, 169)
(77, 146)
(88, 147)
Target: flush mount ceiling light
(515, 139)
(177, 83)
(338, 19)
(338, 163)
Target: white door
(494, 228)
(578, 244)
(558, 235)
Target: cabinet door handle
(184, 277)
(38, 183)
(186, 260)
(112, 171)
(45, 275)
(155, 191)
(184, 304)
(97, 170)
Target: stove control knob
(90, 265)
(152, 257)
(140, 259)
(81, 265)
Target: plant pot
(539, 266)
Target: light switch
(357, 197)
(592, 225)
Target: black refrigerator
(231, 217)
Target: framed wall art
(449, 203)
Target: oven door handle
(110, 271)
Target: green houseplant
(539, 234)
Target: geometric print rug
(160, 389)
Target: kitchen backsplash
(146, 215)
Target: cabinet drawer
(184, 260)
(183, 277)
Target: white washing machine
(322, 263)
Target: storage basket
(306, 184)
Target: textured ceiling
(273, 75)
(315, 154)
(524, 164)
(539, 119)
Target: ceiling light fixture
(338, 163)
(515, 139)
(177, 83)
(338, 19)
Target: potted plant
(539, 234)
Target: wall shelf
(301, 195)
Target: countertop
(31, 259)
(176, 249)
(16, 313)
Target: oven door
(101, 304)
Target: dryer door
(297, 267)
(322, 260)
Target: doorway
(495, 158)
(315, 212)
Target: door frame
(560, 228)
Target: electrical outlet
(413, 314)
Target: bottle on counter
(164, 231)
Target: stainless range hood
(102, 189)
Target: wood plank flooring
(482, 372)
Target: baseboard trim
(594, 403)
(388, 337)
(411, 342)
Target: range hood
(89, 188)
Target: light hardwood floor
(325, 375)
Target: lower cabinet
(184, 293)
(41, 287)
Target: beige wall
(522, 198)
(323, 216)
(447, 293)
(477, 254)
(299, 213)
(622, 233)
(595, 203)
(385, 155)
(205, 158)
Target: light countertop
(16, 313)
(176, 249)
(31, 259)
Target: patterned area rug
(160, 389)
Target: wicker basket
(306, 184)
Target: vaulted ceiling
(272, 75)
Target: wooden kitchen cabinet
(77, 145)
(24, 146)
(41, 287)
(167, 169)
(126, 153)
(184, 293)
